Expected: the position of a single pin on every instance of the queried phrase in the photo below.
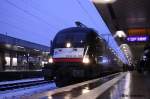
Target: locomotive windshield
(76, 38)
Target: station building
(21, 55)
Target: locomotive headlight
(86, 60)
(50, 60)
(68, 44)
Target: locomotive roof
(75, 29)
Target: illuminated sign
(137, 38)
(138, 32)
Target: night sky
(39, 20)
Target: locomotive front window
(76, 38)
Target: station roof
(131, 16)
(7, 40)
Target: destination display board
(138, 35)
(138, 38)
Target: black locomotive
(78, 54)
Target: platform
(126, 85)
(131, 85)
(82, 90)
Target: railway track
(12, 86)
(17, 85)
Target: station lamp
(50, 60)
(124, 47)
(120, 33)
(126, 50)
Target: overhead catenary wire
(16, 23)
(88, 15)
(29, 13)
(12, 25)
(9, 24)
(56, 18)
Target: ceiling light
(120, 33)
(124, 47)
(104, 1)
(125, 50)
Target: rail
(11, 86)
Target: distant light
(7, 60)
(49, 97)
(20, 47)
(104, 1)
(144, 57)
(68, 45)
(43, 62)
(115, 59)
(113, 51)
(81, 41)
(8, 45)
(108, 0)
(115, 54)
(146, 51)
(125, 50)
(36, 50)
(14, 61)
(50, 60)
(105, 60)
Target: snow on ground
(28, 91)
(20, 81)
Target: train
(79, 54)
